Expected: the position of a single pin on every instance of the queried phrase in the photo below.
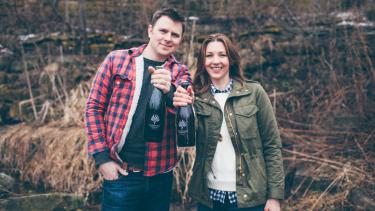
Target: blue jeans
(137, 192)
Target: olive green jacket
(255, 137)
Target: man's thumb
(151, 69)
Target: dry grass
(49, 156)
(337, 161)
(183, 172)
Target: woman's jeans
(137, 192)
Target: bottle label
(182, 127)
(155, 119)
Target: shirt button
(243, 174)
(238, 92)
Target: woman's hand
(182, 96)
(272, 205)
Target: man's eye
(176, 35)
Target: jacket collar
(240, 89)
(137, 51)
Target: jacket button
(245, 195)
(230, 114)
(243, 174)
(213, 102)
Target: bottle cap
(185, 84)
(159, 67)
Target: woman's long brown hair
(202, 80)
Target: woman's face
(217, 62)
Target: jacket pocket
(246, 121)
(120, 84)
(247, 111)
(203, 113)
(201, 124)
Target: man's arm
(96, 106)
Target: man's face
(165, 36)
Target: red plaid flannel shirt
(108, 106)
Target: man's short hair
(171, 13)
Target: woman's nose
(215, 59)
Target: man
(137, 174)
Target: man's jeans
(137, 192)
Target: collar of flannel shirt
(137, 51)
(227, 89)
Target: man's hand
(110, 170)
(182, 96)
(272, 205)
(161, 78)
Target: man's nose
(168, 37)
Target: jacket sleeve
(271, 145)
(95, 109)
(181, 74)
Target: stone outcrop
(50, 201)
(6, 185)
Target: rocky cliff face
(282, 51)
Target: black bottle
(185, 124)
(154, 117)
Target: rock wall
(281, 50)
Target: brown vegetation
(320, 77)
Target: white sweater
(223, 175)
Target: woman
(238, 163)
